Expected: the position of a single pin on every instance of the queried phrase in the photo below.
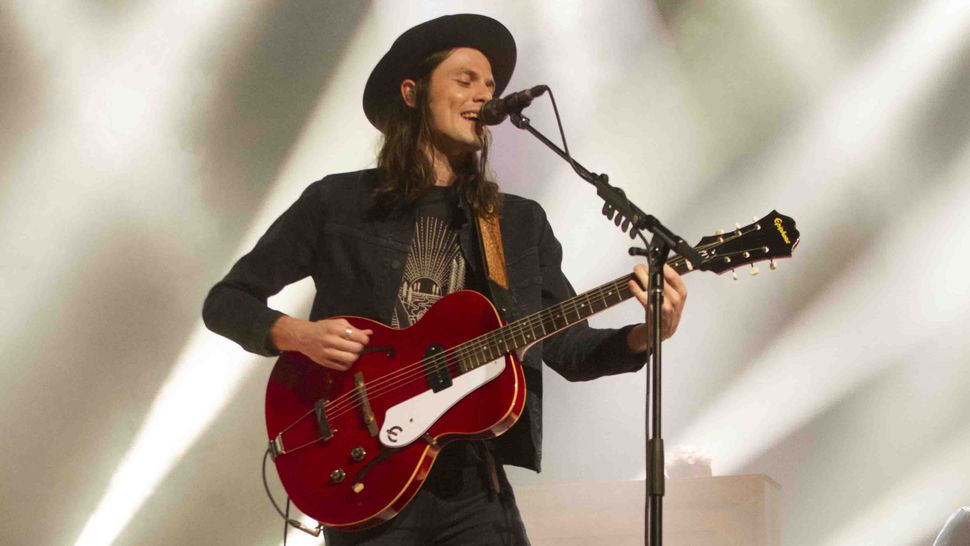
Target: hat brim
(464, 30)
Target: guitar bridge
(321, 411)
(369, 420)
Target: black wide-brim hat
(464, 30)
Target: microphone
(496, 110)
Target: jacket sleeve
(579, 353)
(236, 306)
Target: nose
(483, 93)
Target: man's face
(460, 85)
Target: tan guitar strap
(492, 252)
(497, 281)
(493, 258)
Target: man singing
(387, 243)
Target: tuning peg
(734, 274)
(737, 228)
(754, 270)
(718, 232)
(772, 265)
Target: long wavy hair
(406, 170)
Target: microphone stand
(663, 242)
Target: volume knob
(357, 454)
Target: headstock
(773, 236)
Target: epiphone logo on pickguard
(781, 230)
(393, 432)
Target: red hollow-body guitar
(352, 448)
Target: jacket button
(396, 264)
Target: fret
(598, 304)
(498, 340)
(611, 293)
(485, 354)
(573, 309)
(583, 310)
(604, 294)
(560, 317)
(512, 332)
(548, 324)
(542, 324)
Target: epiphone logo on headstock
(781, 230)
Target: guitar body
(349, 471)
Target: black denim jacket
(356, 259)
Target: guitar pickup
(436, 370)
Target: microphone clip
(496, 111)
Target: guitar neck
(542, 324)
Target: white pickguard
(407, 421)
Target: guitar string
(354, 400)
(532, 320)
(339, 406)
(418, 370)
(519, 328)
(374, 393)
(524, 328)
(382, 389)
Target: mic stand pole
(656, 481)
(662, 243)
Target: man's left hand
(675, 296)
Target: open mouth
(477, 126)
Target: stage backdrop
(146, 144)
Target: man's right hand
(333, 343)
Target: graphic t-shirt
(435, 266)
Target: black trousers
(457, 505)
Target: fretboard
(542, 324)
